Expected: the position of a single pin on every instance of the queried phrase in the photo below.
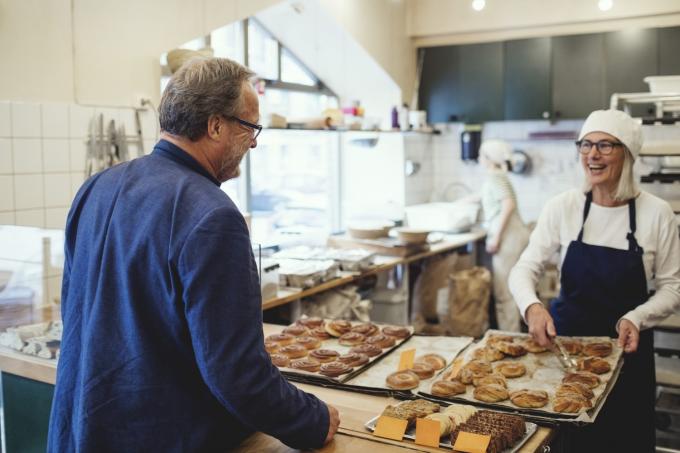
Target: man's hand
(629, 336)
(333, 422)
(541, 325)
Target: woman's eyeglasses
(605, 147)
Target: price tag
(390, 428)
(427, 432)
(471, 443)
(406, 359)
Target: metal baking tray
(411, 435)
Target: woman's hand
(493, 246)
(629, 336)
(541, 326)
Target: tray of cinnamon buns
(512, 371)
(331, 350)
(507, 432)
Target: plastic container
(389, 306)
(663, 84)
(269, 278)
(448, 217)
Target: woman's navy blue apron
(599, 286)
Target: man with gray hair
(163, 347)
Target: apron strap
(633, 245)
(586, 210)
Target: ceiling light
(478, 5)
(605, 5)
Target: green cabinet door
(26, 404)
(669, 51)
(527, 79)
(439, 93)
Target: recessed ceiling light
(605, 5)
(478, 5)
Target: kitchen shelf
(434, 132)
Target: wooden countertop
(383, 263)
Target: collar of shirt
(173, 152)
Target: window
(263, 52)
(227, 42)
(293, 72)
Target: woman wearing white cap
(614, 241)
(507, 235)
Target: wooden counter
(383, 263)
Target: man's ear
(215, 127)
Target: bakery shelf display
(512, 372)
(507, 432)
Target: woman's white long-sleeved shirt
(657, 233)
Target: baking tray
(550, 379)
(411, 435)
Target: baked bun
(511, 349)
(598, 349)
(473, 370)
(334, 369)
(293, 351)
(351, 339)
(324, 355)
(403, 380)
(529, 398)
(311, 322)
(337, 327)
(367, 328)
(370, 350)
(434, 360)
(383, 341)
(584, 377)
(280, 360)
(491, 393)
(573, 347)
(320, 333)
(570, 388)
(307, 364)
(530, 345)
(594, 365)
(283, 339)
(570, 404)
(495, 338)
(296, 330)
(493, 378)
(511, 369)
(445, 423)
(396, 331)
(423, 370)
(447, 388)
(271, 346)
(488, 354)
(353, 359)
(308, 342)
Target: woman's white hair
(627, 188)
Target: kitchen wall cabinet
(526, 89)
(669, 51)
(440, 89)
(630, 56)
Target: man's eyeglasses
(257, 128)
(605, 147)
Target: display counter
(27, 386)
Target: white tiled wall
(42, 156)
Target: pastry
(320, 333)
(574, 387)
(491, 393)
(584, 377)
(280, 360)
(489, 354)
(311, 322)
(271, 346)
(324, 355)
(351, 339)
(283, 339)
(334, 369)
(460, 413)
(572, 347)
(395, 331)
(474, 369)
(423, 370)
(504, 430)
(434, 360)
(305, 365)
(570, 404)
(494, 378)
(381, 340)
(367, 328)
(529, 398)
(594, 365)
(530, 345)
(447, 388)
(370, 350)
(445, 423)
(294, 351)
(511, 369)
(495, 338)
(308, 342)
(296, 330)
(337, 327)
(511, 349)
(354, 359)
(410, 410)
(598, 349)
(402, 380)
